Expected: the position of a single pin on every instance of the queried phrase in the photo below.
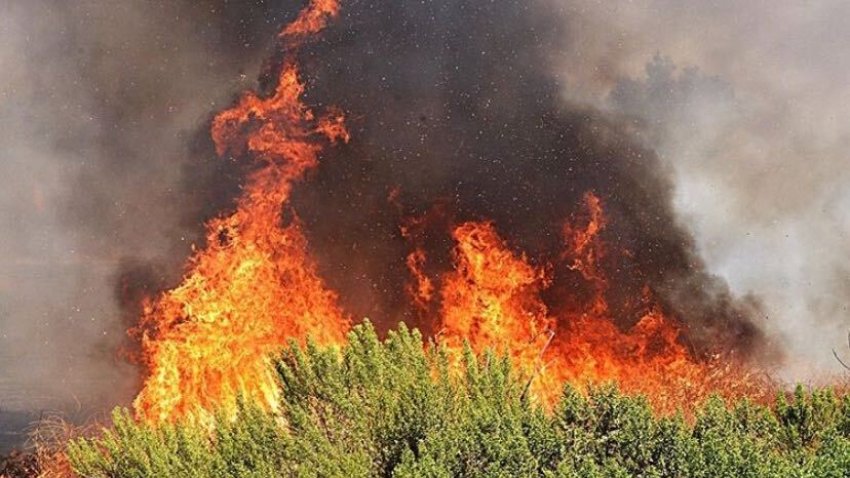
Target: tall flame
(254, 285)
(491, 300)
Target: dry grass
(49, 439)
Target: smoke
(746, 103)
(456, 106)
(55, 346)
(106, 179)
(510, 111)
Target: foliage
(394, 408)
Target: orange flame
(253, 286)
(422, 290)
(584, 251)
(492, 300)
(594, 349)
(312, 19)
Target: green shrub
(394, 408)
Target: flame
(421, 291)
(584, 252)
(492, 300)
(312, 19)
(254, 286)
(648, 358)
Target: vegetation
(393, 409)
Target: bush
(394, 408)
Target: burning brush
(256, 284)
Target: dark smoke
(454, 103)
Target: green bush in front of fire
(392, 408)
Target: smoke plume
(455, 106)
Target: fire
(492, 300)
(254, 286)
(648, 358)
(313, 19)
(583, 251)
(422, 290)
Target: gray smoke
(747, 103)
(104, 180)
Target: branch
(539, 369)
(834, 353)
